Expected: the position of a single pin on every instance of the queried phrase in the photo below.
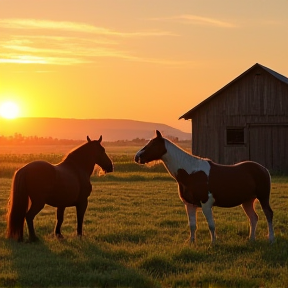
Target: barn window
(235, 136)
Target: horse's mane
(183, 150)
(76, 156)
(74, 153)
(176, 158)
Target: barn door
(268, 146)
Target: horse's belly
(60, 202)
(40, 178)
(233, 192)
(51, 186)
(228, 202)
(65, 193)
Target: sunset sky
(142, 60)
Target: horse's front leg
(191, 211)
(60, 218)
(207, 211)
(81, 208)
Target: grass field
(135, 232)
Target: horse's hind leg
(30, 215)
(269, 216)
(60, 218)
(248, 207)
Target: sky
(147, 60)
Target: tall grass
(135, 232)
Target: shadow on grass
(68, 263)
(74, 262)
(213, 267)
(159, 266)
(278, 252)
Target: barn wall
(272, 152)
(257, 98)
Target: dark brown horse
(204, 183)
(63, 185)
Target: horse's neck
(176, 158)
(81, 163)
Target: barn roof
(189, 114)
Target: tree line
(19, 139)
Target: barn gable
(246, 119)
(256, 68)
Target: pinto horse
(203, 183)
(63, 185)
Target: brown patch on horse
(232, 185)
(195, 186)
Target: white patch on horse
(191, 211)
(176, 159)
(209, 203)
(207, 211)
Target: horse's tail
(263, 194)
(17, 206)
(263, 183)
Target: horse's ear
(158, 134)
(88, 139)
(100, 139)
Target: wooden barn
(246, 119)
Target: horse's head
(99, 155)
(154, 150)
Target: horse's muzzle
(109, 169)
(138, 160)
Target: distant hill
(77, 129)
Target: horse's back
(55, 185)
(39, 175)
(67, 187)
(232, 185)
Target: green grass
(135, 232)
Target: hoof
(190, 241)
(251, 241)
(213, 243)
(272, 241)
(33, 239)
(59, 236)
(20, 240)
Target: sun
(9, 110)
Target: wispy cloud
(74, 27)
(28, 59)
(197, 20)
(66, 43)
